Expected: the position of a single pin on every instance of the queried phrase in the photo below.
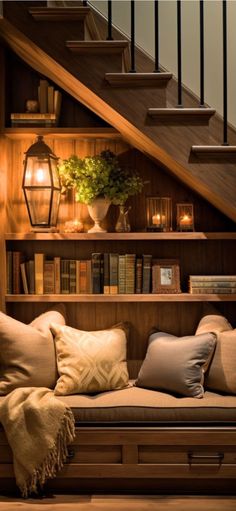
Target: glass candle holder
(159, 214)
(185, 217)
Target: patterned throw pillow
(27, 352)
(90, 362)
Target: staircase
(68, 45)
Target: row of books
(212, 284)
(49, 101)
(108, 273)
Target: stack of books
(212, 284)
(103, 273)
(49, 101)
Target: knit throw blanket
(38, 428)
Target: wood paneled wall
(5, 154)
(17, 217)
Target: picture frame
(166, 276)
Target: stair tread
(181, 111)
(224, 149)
(97, 47)
(137, 79)
(91, 44)
(59, 13)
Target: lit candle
(185, 220)
(158, 220)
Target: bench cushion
(135, 404)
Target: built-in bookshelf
(83, 245)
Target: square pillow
(27, 352)
(90, 362)
(177, 364)
(221, 376)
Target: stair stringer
(214, 187)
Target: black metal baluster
(179, 53)
(202, 68)
(225, 94)
(109, 17)
(132, 31)
(85, 3)
(156, 30)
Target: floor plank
(115, 502)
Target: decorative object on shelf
(41, 186)
(123, 224)
(159, 214)
(185, 217)
(97, 211)
(166, 276)
(73, 226)
(32, 106)
(99, 176)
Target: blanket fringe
(55, 459)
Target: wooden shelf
(113, 236)
(27, 131)
(178, 297)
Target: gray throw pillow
(177, 364)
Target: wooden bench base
(143, 459)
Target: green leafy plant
(99, 176)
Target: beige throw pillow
(175, 364)
(222, 371)
(90, 362)
(27, 352)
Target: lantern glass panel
(55, 175)
(38, 201)
(55, 207)
(159, 213)
(37, 172)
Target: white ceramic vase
(98, 210)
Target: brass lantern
(41, 186)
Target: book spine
(33, 117)
(43, 96)
(138, 275)
(154, 279)
(30, 273)
(215, 284)
(16, 273)
(72, 272)
(113, 263)
(212, 278)
(24, 278)
(77, 270)
(89, 276)
(213, 290)
(51, 99)
(9, 272)
(147, 264)
(130, 260)
(106, 274)
(57, 273)
(39, 267)
(121, 274)
(49, 278)
(83, 277)
(65, 276)
(96, 272)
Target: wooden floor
(123, 503)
